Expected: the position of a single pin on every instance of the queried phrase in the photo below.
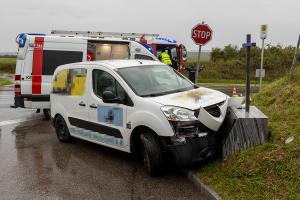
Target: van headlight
(173, 113)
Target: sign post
(294, 59)
(263, 36)
(201, 34)
(248, 45)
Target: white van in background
(39, 55)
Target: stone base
(240, 132)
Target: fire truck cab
(176, 50)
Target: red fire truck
(176, 50)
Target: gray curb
(209, 193)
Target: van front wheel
(152, 155)
(62, 130)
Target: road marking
(16, 121)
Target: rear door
(70, 86)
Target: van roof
(57, 37)
(127, 63)
(116, 64)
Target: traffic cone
(234, 94)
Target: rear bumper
(32, 101)
(193, 149)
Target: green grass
(270, 171)
(7, 65)
(229, 81)
(4, 82)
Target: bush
(229, 62)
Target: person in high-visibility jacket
(165, 58)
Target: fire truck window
(174, 53)
(142, 57)
(52, 59)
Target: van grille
(213, 110)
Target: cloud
(230, 20)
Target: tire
(62, 130)
(47, 114)
(152, 154)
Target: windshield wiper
(155, 94)
(165, 93)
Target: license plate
(202, 134)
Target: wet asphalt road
(35, 165)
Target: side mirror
(109, 97)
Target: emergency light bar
(22, 37)
(102, 34)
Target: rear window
(70, 82)
(52, 59)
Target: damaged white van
(141, 107)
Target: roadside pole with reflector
(263, 36)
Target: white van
(138, 106)
(40, 54)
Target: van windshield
(155, 80)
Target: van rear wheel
(152, 155)
(62, 130)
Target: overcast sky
(230, 20)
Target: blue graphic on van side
(97, 136)
(110, 115)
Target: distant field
(4, 82)
(7, 65)
(193, 55)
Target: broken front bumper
(192, 149)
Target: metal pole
(295, 58)
(261, 63)
(198, 64)
(248, 74)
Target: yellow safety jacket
(165, 58)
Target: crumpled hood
(192, 99)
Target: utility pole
(294, 59)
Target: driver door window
(103, 81)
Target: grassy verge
(270, 171)
(7, 65)
(4, 82)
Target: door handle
(93, 106)
(81, 103)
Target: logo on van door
(110, 115)
(27, 78)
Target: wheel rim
(61, 129)
(145, 157)
(147, 162)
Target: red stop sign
(201, 34)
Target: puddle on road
(35, 165)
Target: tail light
(17, 84)
(17, 77)
(90, 56)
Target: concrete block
(241, 131)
